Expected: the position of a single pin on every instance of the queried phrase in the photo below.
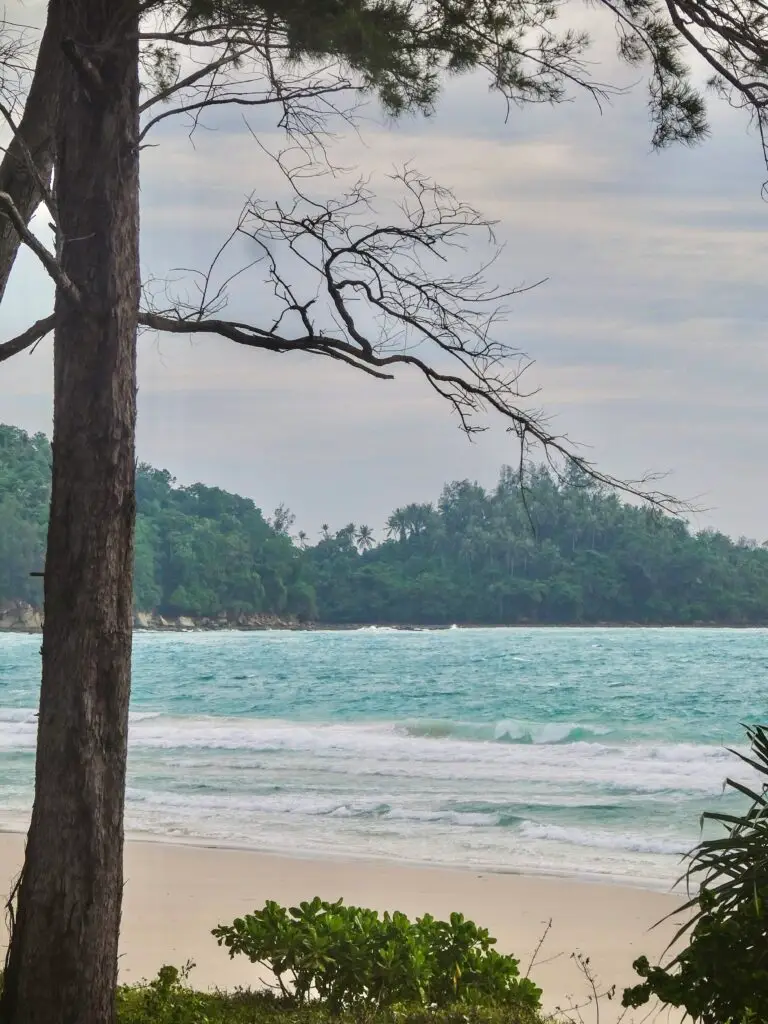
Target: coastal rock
(243, 621)
(17, 616)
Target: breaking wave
(575, 752)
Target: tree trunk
(36, 132)
(62, 960)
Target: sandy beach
(176, 893)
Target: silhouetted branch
(243, 63)
(16, 53)
(26, 340)
(378, 297)
(48, 260)
(245, 334)
(732, 37)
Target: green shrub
(169, 1000)
(348, 956)
(164, 1000)
(721, 976)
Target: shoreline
(646, 885)
(20, 617)
(175, 626)
(338, 857)
(175, 893)
(178, 625)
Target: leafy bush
(721, 977)
(164, 1000)
(169, 1000)
(348, 956)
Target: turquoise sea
(587, 752)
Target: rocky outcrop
(19, 617)
(152, 621)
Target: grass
(169, 1000)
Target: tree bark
(36, 131)
(62, 960)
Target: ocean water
(587, 752)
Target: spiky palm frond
(732, 869)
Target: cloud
(648, 335)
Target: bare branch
(16, 53)
(191, 79)
(30, 337)
(49, 261)
(244, 63)
(376, 295)
(253, 337)
(463, 395)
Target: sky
(647, 337)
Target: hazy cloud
(648, 335)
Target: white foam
(602, 839)
(384, 751)
(25, 715)
(599, 793)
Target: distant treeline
(568, 551)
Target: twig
(537, 950)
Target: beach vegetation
(169, 999)
(346, 956)
(721, 975)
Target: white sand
(175, 894)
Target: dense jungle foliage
(558, 551)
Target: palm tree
(419, 517)
(302, 538)
(364, 538)
(397, 524)
(325, 532)
(346, 535)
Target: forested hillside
(199, 550)
(557, 551)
